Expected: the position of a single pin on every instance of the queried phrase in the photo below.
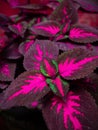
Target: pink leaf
(83, 34)
(49, 68)
(77, 63)
(48, 28)
(28, 87)
(25, 46)
(19, 28)
(7, 71)
(61, 86)
(77, 111)
(40, 50)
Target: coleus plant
(63, 23)
(57, 73)
(50, 74)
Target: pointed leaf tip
(40, 50)
(77, 112)
(83, 34)
(28, 87)
(77, 63)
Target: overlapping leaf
(4, 20)
(89, 5)
(47, 28)
(83, 34)
(40, 50)
(58, 86)
(25, 46)
(29, 87)
(65, 13)
(77, 111)
(49, 68)
(7, 71)
(3, 85)
(12, 51)
(92, 81)
(19, 28)
(77, 63)
(64, 46)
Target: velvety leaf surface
(92, 83)
(19, 28)
(25, 90)
(40, 50)
(89, 5)
(7, 71)
(25, 46)
(77, 111)
(64, 46)
(3, 85)
(83, 34)
(53, 4)
(77, 63)
(12, 51)
(64, 13)
(47, 28)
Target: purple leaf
(89, 5)
(77, 111)
(40, 50)
(12, 51)
(4, 20)
(64, 13)
(27, 88)
(7, 71)
(92, 82)
(83, 34)
(3, 85)
(19, 28)
(64, 46)
(77, 63)
(25, 46)
(47, 28)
